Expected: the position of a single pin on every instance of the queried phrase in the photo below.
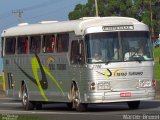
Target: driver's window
(74, 52)
(77, 52)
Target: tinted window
(10, 46)
(35, 44)
(102, 47)
(62, 42)
(77, 52)
(48, 43)
(22, 45)
(136, 46)
(74, 52)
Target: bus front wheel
(28, 105)
(133, 104)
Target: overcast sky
(34, 11)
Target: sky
(34, 11)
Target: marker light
(92, 86)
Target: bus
(92, 60)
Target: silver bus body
(54, 77)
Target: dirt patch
(2, 93)
(157, 90)
(1, 87)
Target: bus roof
(78, 26)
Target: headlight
(145, 83)
(103, 86)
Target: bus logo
(108, 73)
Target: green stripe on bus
(53, 79)
(35, 67)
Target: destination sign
(119, 27)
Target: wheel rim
(75, 97)
(25, 98)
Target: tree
(82, 10)
(146, 11)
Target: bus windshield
(118, 46)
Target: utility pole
(96, 6)
(18, 13)
(151, 18)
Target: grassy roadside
(1, 92)
(157, 63)
(18, 117)
(157, 71)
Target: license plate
(125, 94)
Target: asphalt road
(149, 110)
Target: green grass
(28, 118)
(157, 63)
(18, 117)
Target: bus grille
(124, 85)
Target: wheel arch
(75, 84)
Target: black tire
(81, 107)
(76, 102)
(27, 105)
(38, 106)
(133, 104)
(70, 105)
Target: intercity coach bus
(79, 62)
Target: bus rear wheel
(76, 102)
(28, 105)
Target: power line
(44, 4)
(49, 12)
(29, 8)
(18, 13)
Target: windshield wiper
(138, 59)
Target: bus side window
(35, 44)
(48, 43)
(22, 45)
(10, 46)
(62, 42)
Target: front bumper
(106, 97)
